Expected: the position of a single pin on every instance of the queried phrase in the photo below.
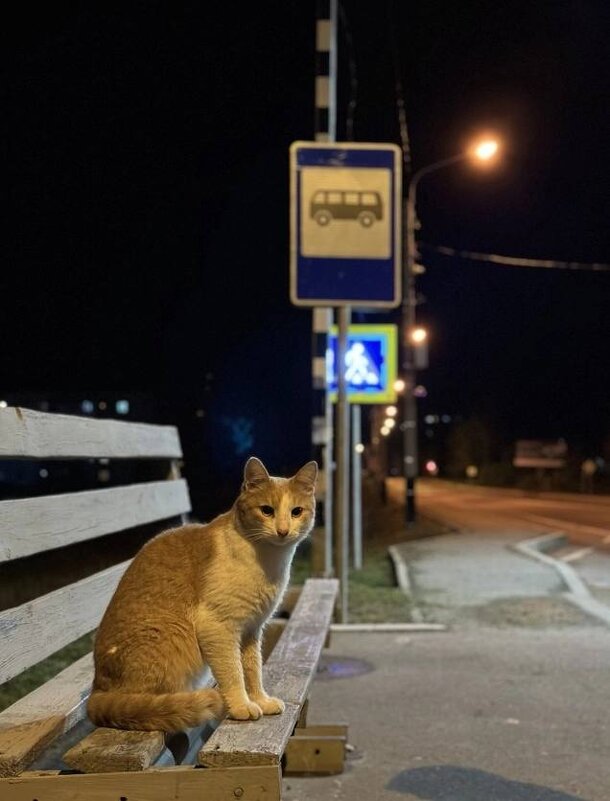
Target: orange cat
(197, 596)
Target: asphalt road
(584, 518)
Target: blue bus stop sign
(370, 363)
(345, 224)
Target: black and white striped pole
(325, 124)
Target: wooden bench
(49, 751)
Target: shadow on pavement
(451, 783)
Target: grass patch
(373, 596)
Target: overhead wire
(515, 261)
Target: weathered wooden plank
(33, 631)
(31, 525)
(253, 742)
(306, 629)
(315, 754)
(25, 433)
(43, 715)
(22, 743)
(108, 750)
(257, 783)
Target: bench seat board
(288, 674)
(108, 750)
(31, 525)
(308, 624)
(253, 742)
(259, 783)
(44, 714)
(33, 631)
(25, 433)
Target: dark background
(146, 235)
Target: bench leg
(318, 750)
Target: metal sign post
(342, 449)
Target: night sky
(147, 226)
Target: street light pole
(409, 303)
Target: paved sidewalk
(472, 577)
(490, 715)
(594, 570)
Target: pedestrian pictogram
(370, 363)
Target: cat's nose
(282, 533)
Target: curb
(404, 581)
(388, 627)
(578, 593)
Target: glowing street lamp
(483, 151)
(486, 149)
(418, 335)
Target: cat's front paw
(270, 705)
(248, 710)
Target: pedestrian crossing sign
(371, 363)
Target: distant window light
(43, 473)
(446, 418)
(199, 413)
(103, 475)
(87, 407)
(430, 419)
(102, 405)
(122, 407)
(3, 404)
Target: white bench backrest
(32, 631)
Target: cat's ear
(255, 473)
(306, 477)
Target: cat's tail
(149, 712)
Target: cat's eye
(297, 511)
(267, 511)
